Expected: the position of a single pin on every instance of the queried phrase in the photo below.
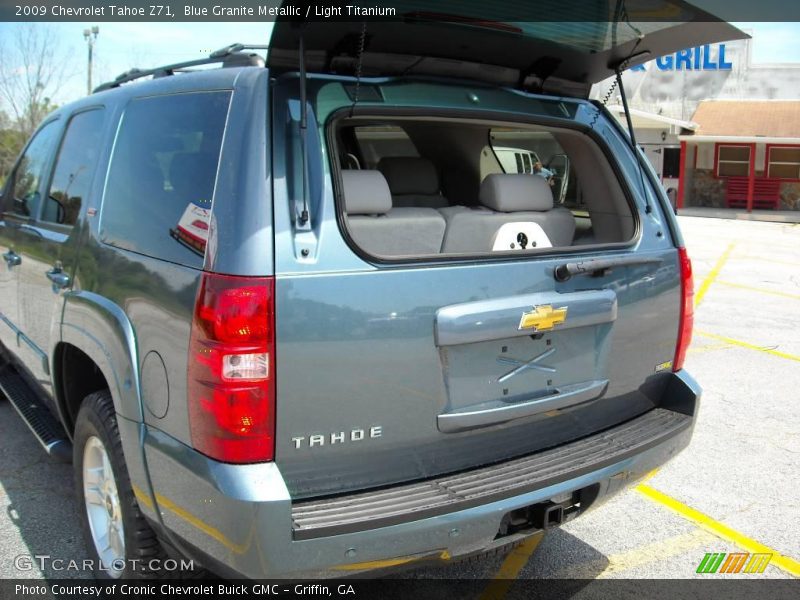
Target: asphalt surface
(740, 472)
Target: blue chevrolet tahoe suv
(294, 319)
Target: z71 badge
(542, 318)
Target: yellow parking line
(785, 563)
(614, 564)
(747, 345)
(701, 292)
(509, 570)
(391, 562)
(760, 290)
(708, 348)
(654, 552)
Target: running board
(37, 416)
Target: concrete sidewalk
(774, 216)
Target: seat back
(517, 210)
(412, 181)
(379, 228)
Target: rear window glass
(162, 175)
(416, 187)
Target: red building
(742, 154)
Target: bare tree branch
(33, 70)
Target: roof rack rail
(229, 56)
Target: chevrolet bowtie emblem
(543, 318)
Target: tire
(134, 551)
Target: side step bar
(37, 416)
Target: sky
(121, 46)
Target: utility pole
(90, 35)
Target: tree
(11, 141)
(33, 70)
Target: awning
(647, 120)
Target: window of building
(75, 166)
(162, 175)
(30, 171)
(733, 161)
(784, 162)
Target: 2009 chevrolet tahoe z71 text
(294, 318)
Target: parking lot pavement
(733, 490)
(37, 513)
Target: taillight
(687, 309)
(231, 375)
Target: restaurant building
(720, 131)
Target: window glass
(30, 170)
(75, 165)
(780, 171)
(734, 153)
(162, 175)
(733, 161)
(469, 198)
(784, 163)
(787, 155)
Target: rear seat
(379, 228)
(510, 202)
(412, 181)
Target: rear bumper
(240, 521)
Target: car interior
(432, 186)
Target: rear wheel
(118, 538)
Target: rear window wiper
(599, 266)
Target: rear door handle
(12, 258)
(59, 278)
(501, 412)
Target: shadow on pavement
(38, 513)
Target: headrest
(517, 192)
(366, 193)
(409, 175)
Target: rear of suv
(295, 323)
